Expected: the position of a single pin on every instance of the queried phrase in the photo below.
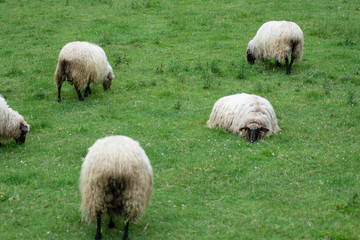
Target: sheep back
(277, 40)
(234, 112)
(83, 62)
(117, 159)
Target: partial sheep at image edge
(12, 124)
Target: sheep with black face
(277, 40)
(12, 124)
(246, 115)
(82, 63)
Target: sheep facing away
(116, 178)
(246, 115)
(277, 40)
(82, 63)
(12, 124)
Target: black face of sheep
(251, 59)
(107, 83)
(254, 134)
(21, 140)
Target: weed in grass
(240, 74)
(160, 69)
(208, 79)
(177, 105)
(121, 59)
(326, 85)
(175, 66)
(15, 71)
(351, 98)
(215, 67)
(352, 206)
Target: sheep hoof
(59, 100)
(98, 236)
(81, 99)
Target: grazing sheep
(247, 115)
(12, 124)
(82, 63)
(116, 178)
(277, 40)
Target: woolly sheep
(82, 63)
(246, 115)
(12, 124)
(116, 178)
(277, 40)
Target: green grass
(172, 61)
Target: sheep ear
(110, 76)
(264, 129)
(23, 127)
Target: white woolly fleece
(119, 159)
(88, 61)
(10, 121)
(243, 110)
(276, 40)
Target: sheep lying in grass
(12, 124)
(116, 178)
(247, 115)
(277, 40)
(82, 63)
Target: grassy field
(172, 60)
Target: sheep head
(22, 131)
(250, 52)
(254, 134)
(107, 82)
(250, 57)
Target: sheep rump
(116, 178)
(82, 63)
(12, 124)
(235, 112)
(277, 40)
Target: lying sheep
(247, 115)
(82, 63)
(277, 40)
(116, 178)
(12, 124)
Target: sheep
(12, 124)
(82, 63)
(246, 115)
(116, 178)
(277, 40)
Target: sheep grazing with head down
(246, 115)
(278, 40)
(116, 178)
(82, 63)
(12, 124)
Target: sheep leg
(288, 66)
(87, 90)
(98, 228)
(278, 64)
(59, 91)
(126, 229)
(111, 223)
(78, 93)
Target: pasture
(172, 60)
